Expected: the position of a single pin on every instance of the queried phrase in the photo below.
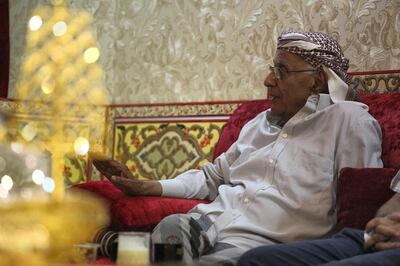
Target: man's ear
(321, 81)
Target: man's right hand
(134, 187)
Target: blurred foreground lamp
(59, 93)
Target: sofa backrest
(230, 131)
(385, 108)
(162, 140)
(146, 136)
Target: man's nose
(270, 80)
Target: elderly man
(276, 183)
(379, 245)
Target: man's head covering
(323, 52)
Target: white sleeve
(395, 184)
(201, 184)
(361, 145)
(190, 184)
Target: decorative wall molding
(378, 83)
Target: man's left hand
(384, 232)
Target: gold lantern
(60, 98)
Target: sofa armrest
(141, 213)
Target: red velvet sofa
(360, 191)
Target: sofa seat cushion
(360, 193)
(385, 108)
(139, 213)
(103, 261)
(144, 213)
(104, 189)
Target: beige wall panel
(157, 51)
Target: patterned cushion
(361, 191)
(386, 109)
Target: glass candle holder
(170, 254)
(133, 248)
(86, 252)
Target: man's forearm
(152, 188)
(391, 206)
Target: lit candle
(133, 248)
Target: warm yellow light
(3, 132)
(28, 132)
(31, 161)
(60, 28)
(57, 2)
(38, 177)
(46, 71)
(48, 86)
(35, 23)
(81, 145)
(72, 49)
(3, 192)
(17, 147)
(31, 63)
(97, 96)
(7, 182)
(3, 164)
(91, 55)
(95, 73)
(69, 73)
(26, 194)
(82, 84)
(57, 55)
(48, 184)
(85, 39)
(82, 19)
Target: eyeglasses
(280, 72)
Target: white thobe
(278, 184)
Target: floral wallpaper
(156, 51)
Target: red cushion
(361, 191)
(103, 261)
(386, 109)
(244, 113)
(105, 189)
(136, 213)
(144, 213)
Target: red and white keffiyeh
(321, 51)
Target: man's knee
(352, 234)
(222, 253)
(169, 230)
(170, 221)
(390, 257)
(254, 256)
